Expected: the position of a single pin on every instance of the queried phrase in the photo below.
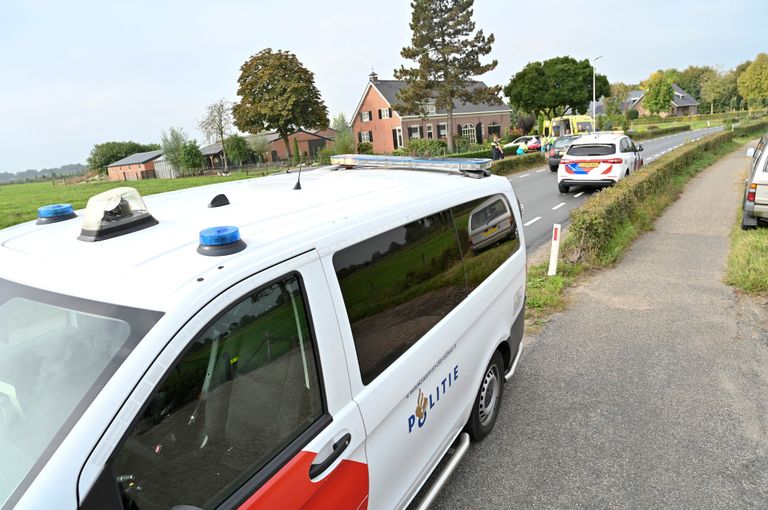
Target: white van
(252, 345)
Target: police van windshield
(56, 353)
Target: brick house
(375, 120)
(310, 143)
(136, 166)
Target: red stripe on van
(344, 488)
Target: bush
(324, 156)
(657, 131)
(425, 147)
(608, 124)
(365, 148)
(510, 165)
(633, 114)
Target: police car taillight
(54, 212)
(216, 241)
(114, 213)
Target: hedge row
(514, 164)
(655, 133)
(594, 224)
(485, 153)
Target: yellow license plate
(490, 231)
(589, 165)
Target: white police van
(253, 345)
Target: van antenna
(298, 181)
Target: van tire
(562, 187)
(485, 409)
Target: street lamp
(594, 100)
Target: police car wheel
(488, 402)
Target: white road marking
(577, 195)
(537, 218)
(558, 206)
(539, 171)
(524, 175)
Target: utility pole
(594, 99)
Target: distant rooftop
(138, 158)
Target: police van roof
(160, 264)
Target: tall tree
(693, 77)
(345, 140)
(104, 154)
(172, 142)
(447, 51)
(238, 149)
(753, 82)
(278, 93)
(190, 157)
(659, 93)
(217, 123)
(619, 93)
(554, 86)
(713, 88)
(259, 146)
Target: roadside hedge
(510, 165)
(595, 224)
(655, 133)
(484, 153)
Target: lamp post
(594, 100)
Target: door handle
(339, 446)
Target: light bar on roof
(471, 167)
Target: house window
(384, 113)
(430, 108)
(365, 116)
(442, 130)
(399, 134)
(494, 129)
(365, 136)
(413, 132)
(468, 131)
(429, 131)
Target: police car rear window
(592, 149)
(56, 353)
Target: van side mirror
(750, 152)
(640, 147)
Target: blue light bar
(54, 212)
(472, 167)
(216, 241)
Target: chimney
(373, 77)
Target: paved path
(650, 391)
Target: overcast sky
(78, 73)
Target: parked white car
(259, 343)
(755, 203)
(598, 160)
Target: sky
(77, 73)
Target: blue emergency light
(54, 213)
(216, 241)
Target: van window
(399, 284)
(247, 386)
(488, 236)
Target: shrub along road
(649, 392)
(544, 205)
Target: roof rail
(470, 167)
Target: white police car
(252, 345)
(598, 160)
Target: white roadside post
(555, 250)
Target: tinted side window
(397, 286)
(488, 236)
(245, 388)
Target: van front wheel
(488, 401)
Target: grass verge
(748, 260)
(545, 293)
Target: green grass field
(19, 202)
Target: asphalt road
(650, 391)
(545, 205)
